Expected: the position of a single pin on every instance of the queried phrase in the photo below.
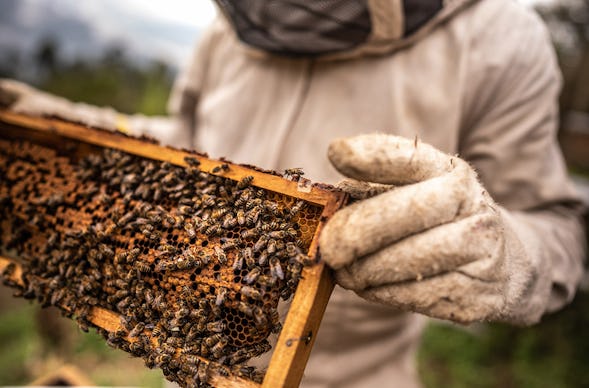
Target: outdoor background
(126, 54)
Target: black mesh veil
(299, 27)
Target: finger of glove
(369, 225)
(432, 252)
(362, 189)
(455, 296)
(388, 159)
(11, 91)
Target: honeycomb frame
(310, 299)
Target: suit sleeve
(509, 134)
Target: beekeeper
(442, 117)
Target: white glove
(22, 98)
(432, 241)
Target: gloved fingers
(389, 159)
(455, 296)
(435, 251)
(10, 92)
(369, 225)
(362, 189)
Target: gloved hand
(431, 240)
(22, 98)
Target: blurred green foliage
(552, 354)
(20, 341)
(25, 355)
(111, 79)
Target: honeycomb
(194, 264)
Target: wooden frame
(294, 344)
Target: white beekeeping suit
(448, 109)
(477, 79)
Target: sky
(157, 29)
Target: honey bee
(223, 370)
(271, 247)
(163, 266)
(245, 182)
(270, 226)
(105, 251)
(208, 201)
(127, 322)
(243, 198)
(245, 308)
(252, 216)
(185, 210)
(228, 243)
(238, 262)
(263, 259)
(142, 267)
(276, 268)
(278, 234)
(133, 254)
(158, 194)
(213, 339)
(272, 207)
(138, 329)
(157, 330)
(8, 270)
(254, 203)
(221, 257)
(229, 222)
(252, 275)
(125, 219)
(189, 228)
(248, 257)
(295, 173)
(154, 217)
(219, 347)
(219, 212)
(221, 295)
(250, 292)
(259, 317)
(260, 244)
(250, 233)
(223, 167)
(216, 326)
(192, 161)
(158, 303)
(213, 230)
(296, 208)
(169, 220)
(136, 348)
(203, 373)
(241, 217)
(162, 359)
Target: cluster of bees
(194, 264)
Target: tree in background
(110, 80)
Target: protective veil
(333, 29)
(299, 27)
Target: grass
(554, 353)
(26, 354)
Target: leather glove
(429, 239)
